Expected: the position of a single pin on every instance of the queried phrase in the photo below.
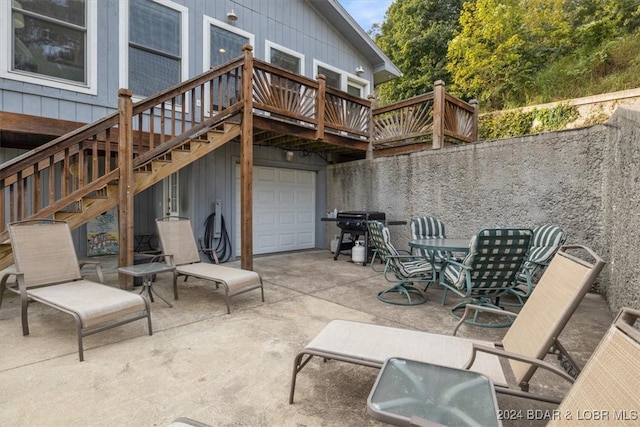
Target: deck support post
(438, 114)
(125, 185)
(246, 163)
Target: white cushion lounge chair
(176, 239)
(533, 333)
(47, 271)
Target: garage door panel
(265, 174)
(287, 219)
(287, 197)
(265, 197)
(306, 177)
(266, 218)
(287, 175)
(305, 239)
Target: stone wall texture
(586, 181)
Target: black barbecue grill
(354, 223)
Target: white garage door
(283, 209)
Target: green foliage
(511, 53)
(415, 36)
(502, 44)
(518, 122)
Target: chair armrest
(98, 267)
(212, 252)
(519, 357)
(454, 262)
(163, 256)
(469, 308)
(406, 257)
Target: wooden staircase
(145, 175)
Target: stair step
(184, 147)
(101, 193)
(146, 168)
(74, 207)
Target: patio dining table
(442, 245)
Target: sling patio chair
(488, 271)
(547, 239)
(534, 333)
(176, 238)
(605, 392)
(400, 269)
(47, 271)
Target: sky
(366, 12)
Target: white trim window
(341, 80)
(285, 58)
(222, 42)
(50, 43)
(153, 45)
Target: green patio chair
(426, 227)
(489, 271)
(402, 270)
(547, 240)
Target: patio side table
(147, 272)
(408, 389)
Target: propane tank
(357, 252)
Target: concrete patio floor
(233, 370)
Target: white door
(283, 209)
(171, 196)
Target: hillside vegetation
(511, 53)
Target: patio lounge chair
(47, 271)
(176, 238)
(604, 393)
(401, 270)
(533, 333)
(608, 384)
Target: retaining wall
(586, 180)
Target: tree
(501, 44)
(415, 35)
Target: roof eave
(383, 69)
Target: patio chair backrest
(553, 301)
(176, 238)
(43, 250)
(547, 239)
(426, 227)
(607, 387)
(495, 257)
(381, 239)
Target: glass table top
(146, 269)
(440, 394)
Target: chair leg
(404, 290)
(175, 286)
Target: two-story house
(63, 63)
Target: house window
(354, 89)
(285, 58)
(50, 43)
(225, 43)
(334, 79)
(157, 46)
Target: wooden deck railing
(425, 118)
(57, 175)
